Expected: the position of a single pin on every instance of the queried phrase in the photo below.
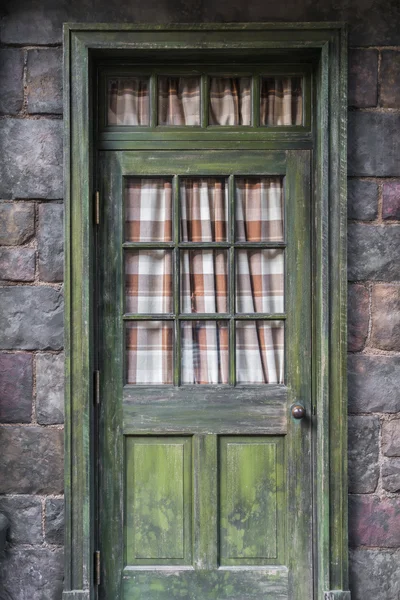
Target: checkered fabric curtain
(178, 101)
(281, 101)
(230, 101)
(128, 101)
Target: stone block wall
(31, 250)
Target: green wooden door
(205, 488)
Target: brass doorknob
(298, 411)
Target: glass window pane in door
(128, 101)
(204, 281)
(148, 281)
(204, 209)
(259, 209)
(179, 100)
(205, 356)
(259, 352)
(149, 352)
(148, 210)
(281, 101)
(230, 101)
(260, 281)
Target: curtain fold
(128, 101)
(179, 101)
(230, 101)
(281, 101)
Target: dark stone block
(375, 574)
(391, 437)
(16, 384)
(11, 77)
(33, 573)
(374, 144)
(17, 264)
(391, 475)
(31, 318)
(54, 522)
(374, 384)
(390, 79)
(31, 460)
(17, 222)
(373, 252)
(385, 332)
(44, 81)
(362, 198)
(374, 521)
(51, 242)
(358, 317)
(25, 517)
(391, 200)
(363, 454)
(50, 389)
(32, 164)
(363, 78)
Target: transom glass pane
(148, 210)
(281, 101)
(259, 209)
(230, 101)
(260, 281)
(204, 209)
(204, 281)
(259, 352)
(205, 356)
(148, 281)
(149, 352)
(179, 100)
(128, 101)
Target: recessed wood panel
(158, 500)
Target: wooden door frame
(82, 43)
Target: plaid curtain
(128, 101)
(178, 101)
(281, 101)
(230, 101)
(205, 357)
(149, 346)
(259, 352)
(148, 210)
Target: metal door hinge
(97, 568)
(97, 387)
(97, 208)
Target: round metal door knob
(298, 411)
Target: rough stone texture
(31, 460)
(17, 264)
(374, 144)
(16, 384)
(25, 516)
(390, 79)
(44, 81)
(31, 165)
(50, 389)
(358, 317)
(375, 574)
(363, 454)
(374, 521)
(391, 475)
(11, 73)
(51, 242)
(32, 573)
(363, 78)
(391, 200)
(373, 252)
(17, 221)
(54, 522)
(385, 332)
(391, 438)
(31, 318)
(362, 199)
(373, 383)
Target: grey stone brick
(373, 383)
(385, 332)
(362, 199)
(31, 318)
(390, 79)
(54, 522)
(31, 165)
(363, 454)
(17, 222)
(32, 573)
(373, 252)
(374, 521)
(25, 516)
(358, 316)
(16, 383)
(375, 574)
(391, 437)
(17, 264)
(391, 475)
(50, 389)
(374, 144)
(11, 77)
(51, 242)
(391, 200)
(44, 80)
(31, 460)
(363, 78)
